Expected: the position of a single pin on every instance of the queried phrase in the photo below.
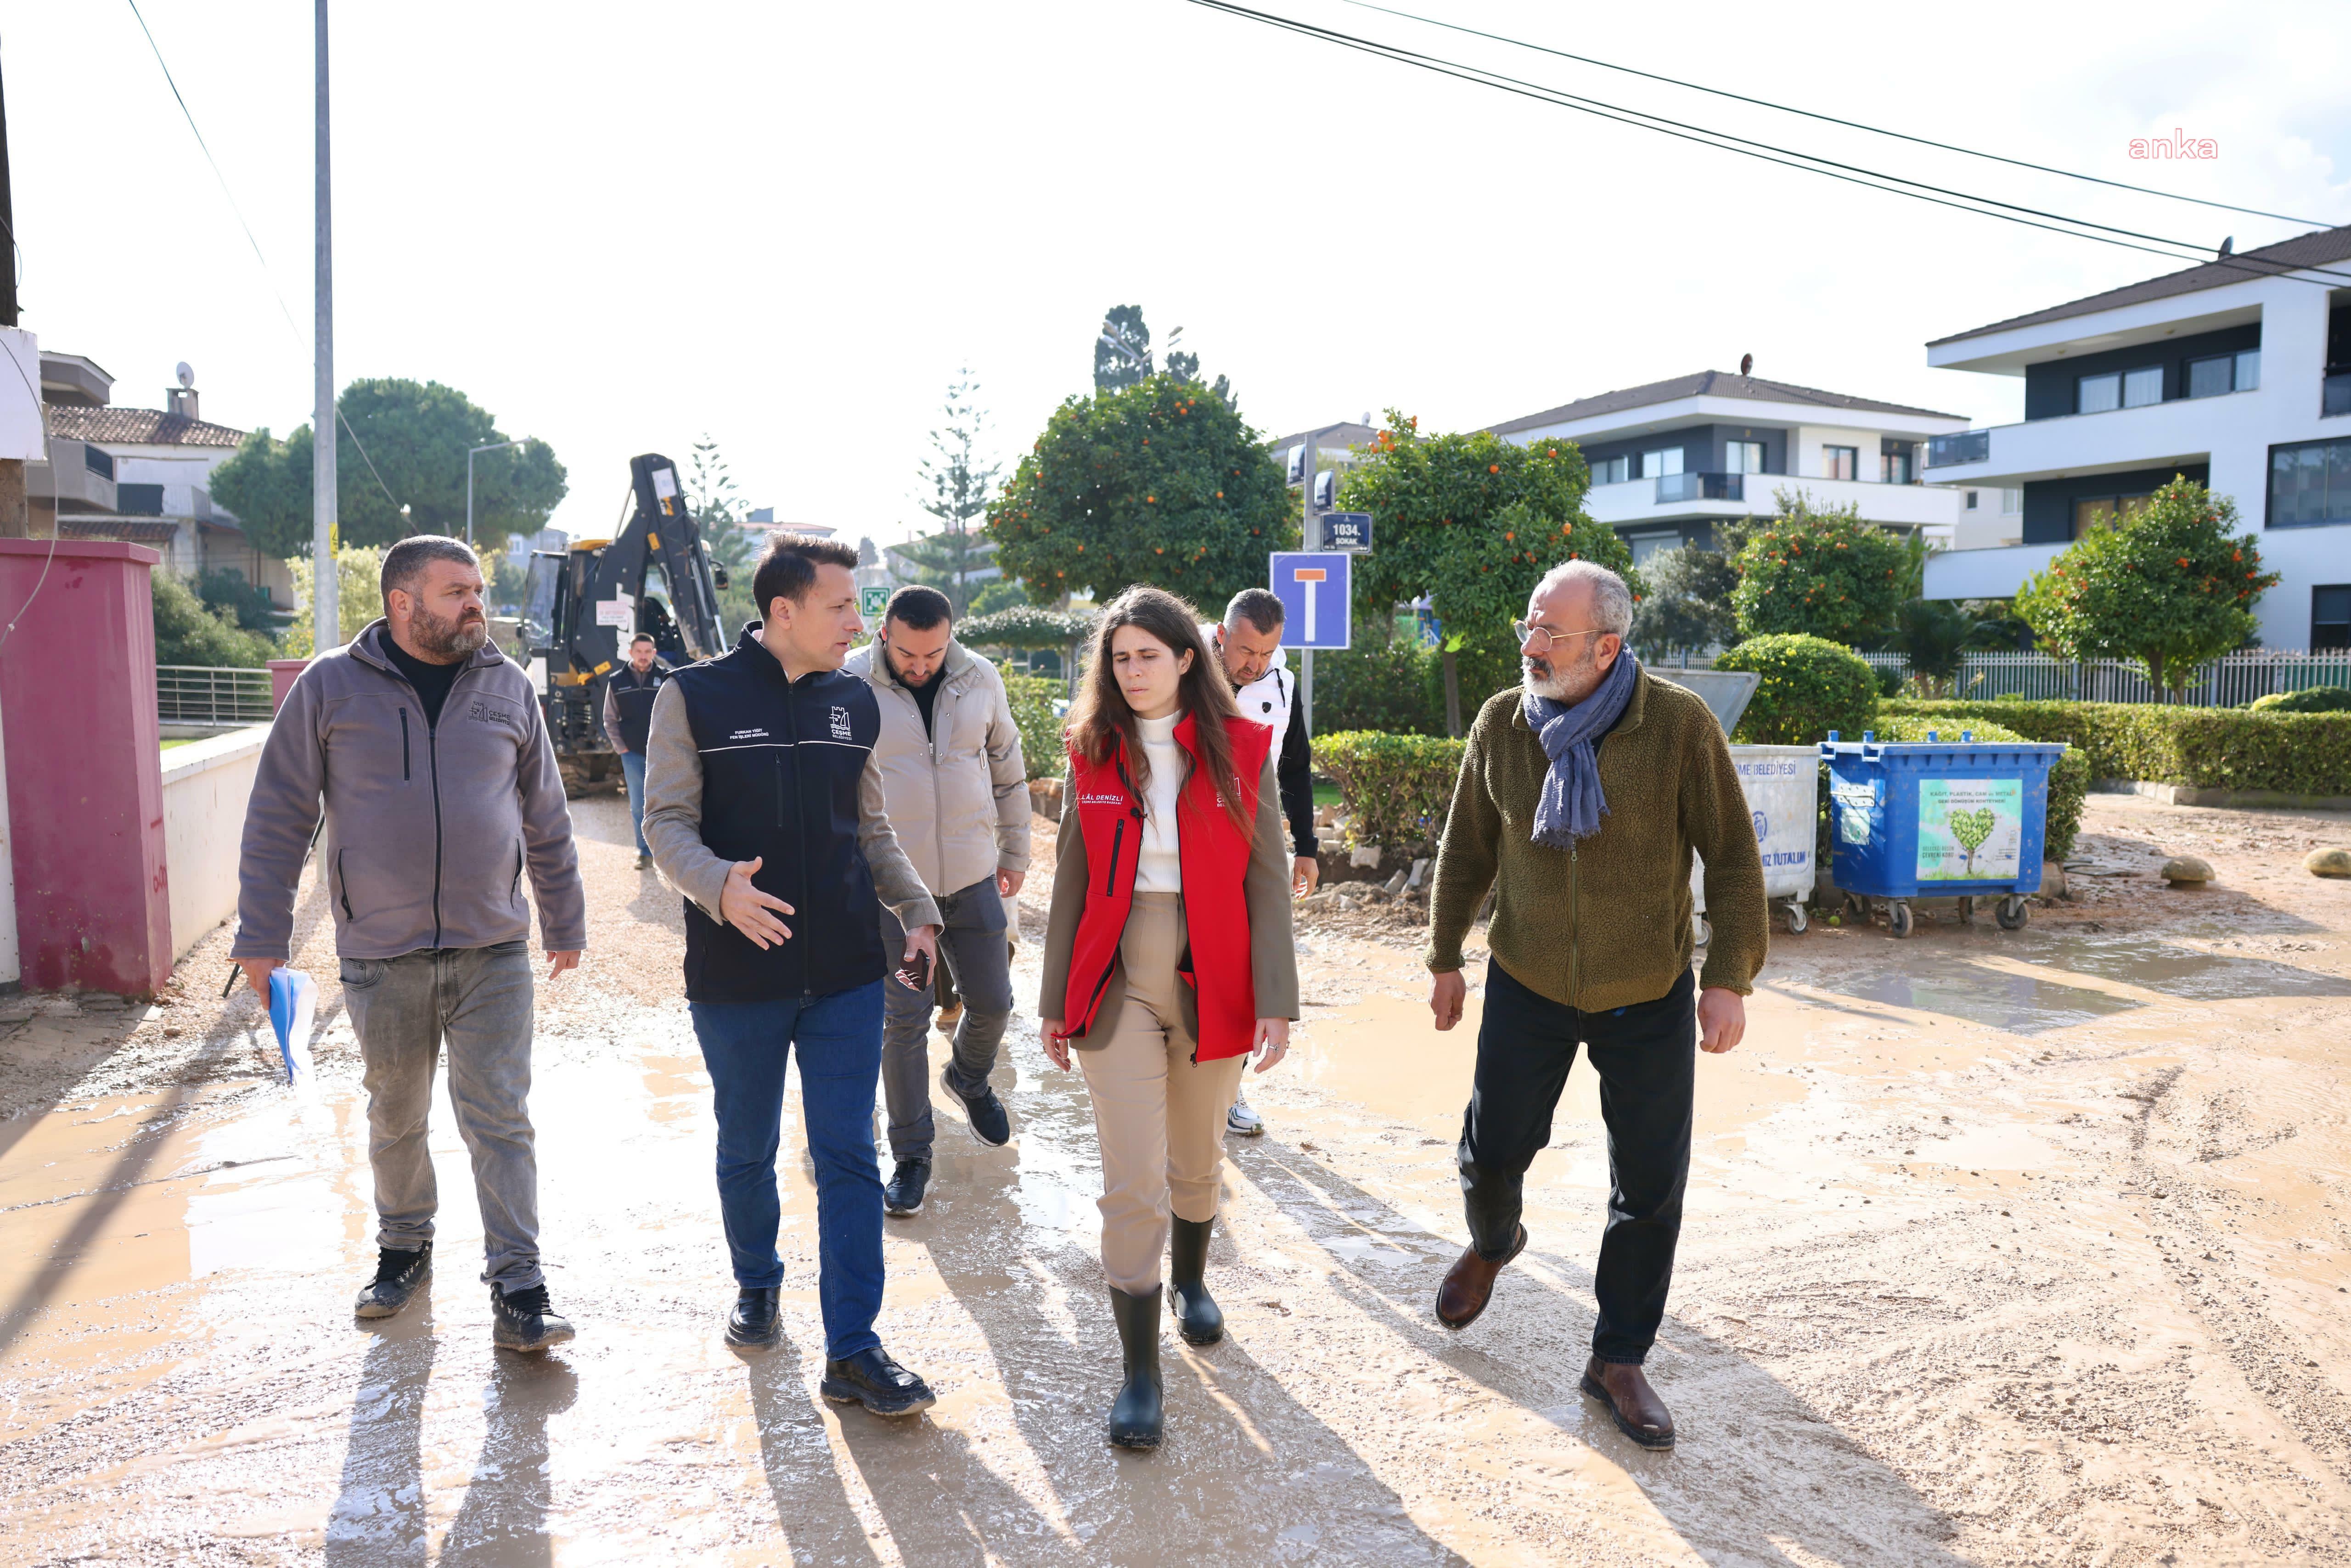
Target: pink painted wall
(85, 765)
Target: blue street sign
(1313, 586)
(1347, 530)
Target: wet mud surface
(2002, 1247)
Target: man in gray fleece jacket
(425, 749)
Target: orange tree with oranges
(1819, 571)
(2170, 587)
(1472, 521)
(1159, 482)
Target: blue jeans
(838, 1037)
(632, 768)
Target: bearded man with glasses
(1581, 796)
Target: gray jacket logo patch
(482, 712)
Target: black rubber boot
(1136, 1416)
(1197, 1317)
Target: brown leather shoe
(1639, 1413)
(1469, 1284)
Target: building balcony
(2183, 430)
(78, 477)
(1694, 497)
(1672, 487)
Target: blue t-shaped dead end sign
(1314, 589)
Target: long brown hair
(1102, 718)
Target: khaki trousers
(1159, 1115)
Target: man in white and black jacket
(1249, 646)
(765, 807)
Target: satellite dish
(187, 374)
(1746, 364)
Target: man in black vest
(765, 810)
(628, 723)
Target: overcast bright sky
(620, 227)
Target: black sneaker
(525, 1321)
(756, 1321)
(903, 1196)
(398, 1277)
(984, 1112)
(872, 1379)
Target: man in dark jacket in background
(1249, 646)
(628, 720)
(766, 810)
(427, 751)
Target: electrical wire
(268, 276)
(1832, 120)
(1813, 164)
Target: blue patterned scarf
(1573, 802)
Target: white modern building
(2235, 373)
(1673, 459)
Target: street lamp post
(493, 446)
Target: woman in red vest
(1168, 957)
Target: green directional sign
(872, 601)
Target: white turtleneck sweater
(1158, 869)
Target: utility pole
(326, 611)
(16, 507)
(1310, 537)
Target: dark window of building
(139, 500)
(1971, 501)
(1840, 461)
(1661, 465)
(99, 462)
(1742, 457)
(2330, 617)
(2097, 394)
(2224, 373)
(2142, 387)
(2310, 482)
(2102, 511)
(1611, 470)
(1893, 467)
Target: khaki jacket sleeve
(1716, 822)
(1068, 907)
(1273, 945)
(1008, 776)
(895, 878)
(674, 806)
(1468, 857)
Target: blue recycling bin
(1938, 819)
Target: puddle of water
(1382, 1054)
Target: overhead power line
(1812, 163)
(267, 276)
(1832, 120)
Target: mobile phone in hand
(915, 974)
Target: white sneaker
(1242, 1120)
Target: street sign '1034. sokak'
(1347, 531)
(1313, 586)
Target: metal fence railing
(2230, 681)
(203, 695)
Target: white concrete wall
(207, 784)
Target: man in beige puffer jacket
(957, 792)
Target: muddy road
(2002, 1247)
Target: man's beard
(908, 681)
(448, 640)
(1551, 683)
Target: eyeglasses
(1542, 637)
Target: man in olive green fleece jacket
(1592, 945)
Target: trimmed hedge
(2202, 747)
(2069, 781)
(1394, 789)
(2310, 699)
(1810, 686)
(1032, 698)
(1396, 687)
